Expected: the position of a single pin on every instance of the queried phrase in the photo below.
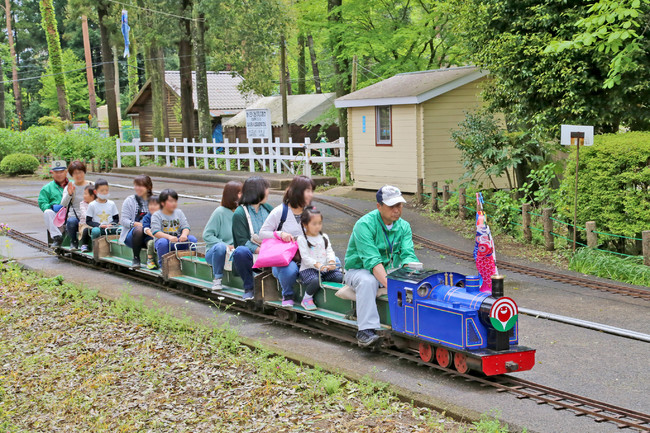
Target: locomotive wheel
(444, 357)
(460, 362)
(426, 352)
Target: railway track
(602, 286)
(599, 411)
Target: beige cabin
(399, 129)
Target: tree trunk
(314, 64)
(118, 101)
(134, 86)
(185, 62)
(89, 72)
(54, 51)
(109, 72)
(205, 120)
(158, 103)
(283, 90)
(302, 65)
(341, 63)
(3, 122)
(14, 62)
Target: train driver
(380, 241)
(49, 199)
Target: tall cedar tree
(54, 50)
(108, 68)
(204, 118)
(185, 62)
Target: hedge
(19, 163)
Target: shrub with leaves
(19, 163)
(613, 185)
(83, 144)
(36, 140)
(9, 141)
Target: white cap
(389, 195)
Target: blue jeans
(72, 228)
(242, 262)
(216, 256)
(287, 276)
(163, 246)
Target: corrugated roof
(301, 109)
(223, 90)
(412, 87)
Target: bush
(613, 186)
(9, 141)
(36, 140)
(83, 144)
(19, 163)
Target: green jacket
(219, 227)
(241, 234)
(370, 244)
(50, 195)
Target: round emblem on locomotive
(503, 314)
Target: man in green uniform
(49, 199)
(380, 241)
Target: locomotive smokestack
(497, 286)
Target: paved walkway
(277, 180)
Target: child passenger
(154, 206)
(169, 225)
(89, 197)
(315, 252)
(102, 215)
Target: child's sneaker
(287, 302)
(151, 264)
(84, 248)
(308, 304)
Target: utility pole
(283, 90)
(355, 61)
(14, 67)
(89, 72)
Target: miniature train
(441, 315)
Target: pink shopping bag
(275, 252)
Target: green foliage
(36, 140)
(487, 149)
(19, 163)
(611, 26)
(76, 88)
(54, 50)
(603, 264)
(83, 144)
(613, 186)
(538, 188)
(61, 125)
(537, 89)
(10, 140)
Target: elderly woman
(246, 224)
(73, 195)
(217, 233)
(134, 208)
(284, 221)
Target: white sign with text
(258, 124)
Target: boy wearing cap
(380, 241)
(49, 199)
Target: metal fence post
(445, 195)
(548, 229)
(646, 247)
(462, 202)
(526, 222)
(592, 236)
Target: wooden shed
(305, 114)
(226, 100)
(399, 129)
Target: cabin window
(384, 125)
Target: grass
(627, 269)
(73, 361)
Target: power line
(156, 11)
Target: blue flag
(125, 31)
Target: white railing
(276, 157)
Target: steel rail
(580, 405)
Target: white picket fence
(273, 157)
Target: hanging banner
(125, 31)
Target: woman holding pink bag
(284, 223)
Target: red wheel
(460, 362)
(444, 357)
(426, 352)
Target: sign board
(570, 134)
(258, 124)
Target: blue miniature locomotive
(455, 323)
